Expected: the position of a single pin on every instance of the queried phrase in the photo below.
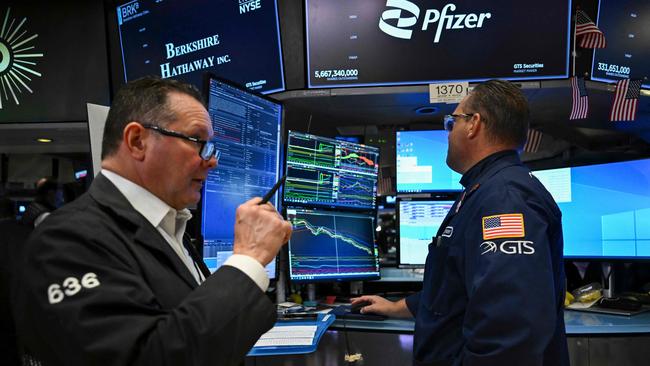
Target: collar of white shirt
(148, 205)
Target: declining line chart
(325, 245)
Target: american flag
(503, 226)
(580, 99)
(587, 33)
(533, 141)
(626, 100)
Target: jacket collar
(111, 199)
(489, 166)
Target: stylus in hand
(270, 193)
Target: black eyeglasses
(207, 149)
(449, 119)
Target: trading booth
(343, 102)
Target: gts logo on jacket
(508, 247)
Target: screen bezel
(207, 77)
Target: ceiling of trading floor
(365, 111)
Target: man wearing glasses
(110, 279)
(493, 289)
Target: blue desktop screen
(332, 245)
(325, 172)
(421, 158)
(605, 208)
(418, 222)
(247, 132)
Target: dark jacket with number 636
(98, 285)
(493, 288)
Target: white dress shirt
(171, 225)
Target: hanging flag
(587, 33)
(626, 100)
(580, 99)
(533, 141)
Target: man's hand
(260, 231)
(381, 306)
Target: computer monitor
(625, 24)
(182, 39)
(332, 246)
(421, 158)
(325, 172)
(247, 129)
(418, 221)
(373, 42)
(605, 209)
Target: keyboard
(289, 335)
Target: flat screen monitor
(247, 130)
(605, 209)
(332, 246)
(325, 172)
(182, 39)
(421, 158)
(418, 221)
(370, 42)
(625, 24)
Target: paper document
(288, 335)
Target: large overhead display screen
(181, 39)
(626, 27)
(370, 42)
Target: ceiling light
(43, 140)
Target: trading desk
(594, 340)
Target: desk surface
(577, 323)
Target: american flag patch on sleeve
(503, 226)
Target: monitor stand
(609, 276)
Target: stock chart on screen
(327, 245)
(330, 173)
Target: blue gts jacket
(493, 288)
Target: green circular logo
(5, 58)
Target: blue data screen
(247, 132)
(422, 162)
(605, 208)
(419, 221)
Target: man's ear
(474, 125)
(134, 138)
